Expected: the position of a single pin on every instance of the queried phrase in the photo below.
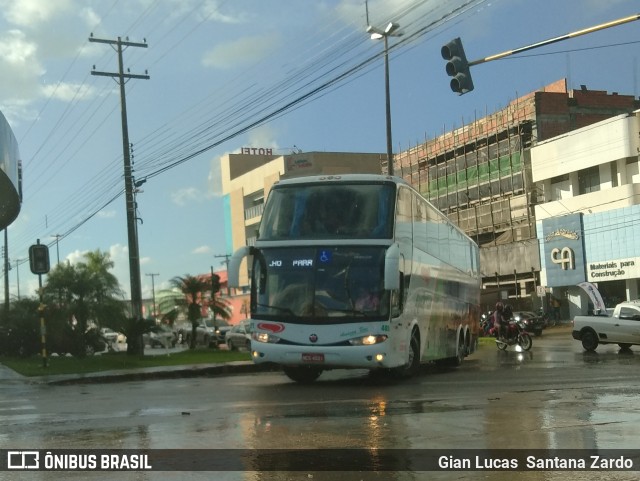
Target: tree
(86, 292)
(194, 291)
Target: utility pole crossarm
(584, 31)
(124, 75)
(126, 43)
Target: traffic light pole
(584, 31)
(458, 67)
(43, 324)
(39, 264)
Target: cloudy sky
(227, 74)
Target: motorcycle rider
(507, 314)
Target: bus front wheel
(302, 374)
(413, 362)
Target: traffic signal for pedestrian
(457, 66)
(39, 258)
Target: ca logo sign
(564, 257)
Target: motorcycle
(516, 334)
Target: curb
(174, 372)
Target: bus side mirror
(392, 268)
(234, 265)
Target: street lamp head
(389, 31)
(392, 27)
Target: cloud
(214, 180)
(263, 136)
(211, 11)
(19, 66)
(202, 250)
(240, 52)
(76, 256)
(32, 13)
(182, 197)
(68, 91)
(106, 214)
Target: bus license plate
(312, 357)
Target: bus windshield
(319, 285)
(329, 211)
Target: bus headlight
(265, 337)
(367, 340)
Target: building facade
(588, 218)
(480, 176)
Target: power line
(333, 66)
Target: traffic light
(215, 283)
(39, 258)
(457, 66)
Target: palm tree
(194, 291)
(86, 291)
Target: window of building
(589, 180)
(560, 187)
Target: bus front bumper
(328, 357)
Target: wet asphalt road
(552, 397)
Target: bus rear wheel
(302, 374)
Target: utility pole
(153, 291)
(17, 264)
(57, 237)
(226, 260)
(132, 231)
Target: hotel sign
(256, 151)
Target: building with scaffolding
(480, 176)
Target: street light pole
(377, 34)
(153, 291)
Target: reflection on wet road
(552, 397)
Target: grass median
(32, 366)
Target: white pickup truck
(622, 327)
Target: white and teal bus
(358, 271)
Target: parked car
(621, 327)
(69, 341)
(239, 336)
(163, 336)
(112, 337)
(530, 321)
(222, 328)
(205, 333)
